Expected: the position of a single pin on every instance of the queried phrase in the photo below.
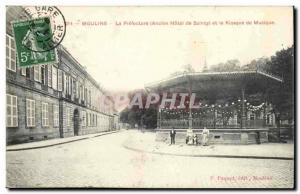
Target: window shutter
(54, 78)
(49, 67)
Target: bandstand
(233, 106)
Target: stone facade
(22, 132)
(54, 100)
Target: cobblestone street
(104, 162)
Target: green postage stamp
(34, 44)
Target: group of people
(194, 139)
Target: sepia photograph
(150, 97)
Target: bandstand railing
(209, 123)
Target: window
(10, 53)
(87, 120)
(81, 93)
(23, 71)
(55, 116)
(28, 70)
(91, 117)
(43, 74)
(49, 68)
(60, 80)
(85, 95)
(76, 89)
(11, 111)
(45, 114)
(83, 118)
(37, 73)
(65, 83)
(90, 99)
(30, 113)
(68, 116)
(70, 85)
(96, 120)
(54, 78)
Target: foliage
(230, 65)
(282, 95)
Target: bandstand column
(190, 119)
(190, 128)
(214, 117)
(158, 118)
(264, 115)
(264, 109)
(243, 115)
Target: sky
(126, 57)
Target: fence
(209, 123)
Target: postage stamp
(36, 38)
(32, 37)
(57, 23)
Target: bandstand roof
(208, 82)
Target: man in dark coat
(172, 135)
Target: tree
(188, 68)
(230, 65)
(143, 117)
(282, 95)
(255, 64)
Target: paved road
(104, 162)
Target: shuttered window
(55, 116)
(49, 75)
(10, 53)
(30, 113)
(60, 80)
(11, 111)
(45, 114)
(54, 78)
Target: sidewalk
(53, 142)
(145, 142)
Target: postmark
(36, 38)
(57, 23)
(31, 37)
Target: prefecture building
(52, 101)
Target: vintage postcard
(155, 97)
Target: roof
(238, 77)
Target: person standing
(172, 135)
(205, 136)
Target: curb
(60, 143)
(208, 156)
